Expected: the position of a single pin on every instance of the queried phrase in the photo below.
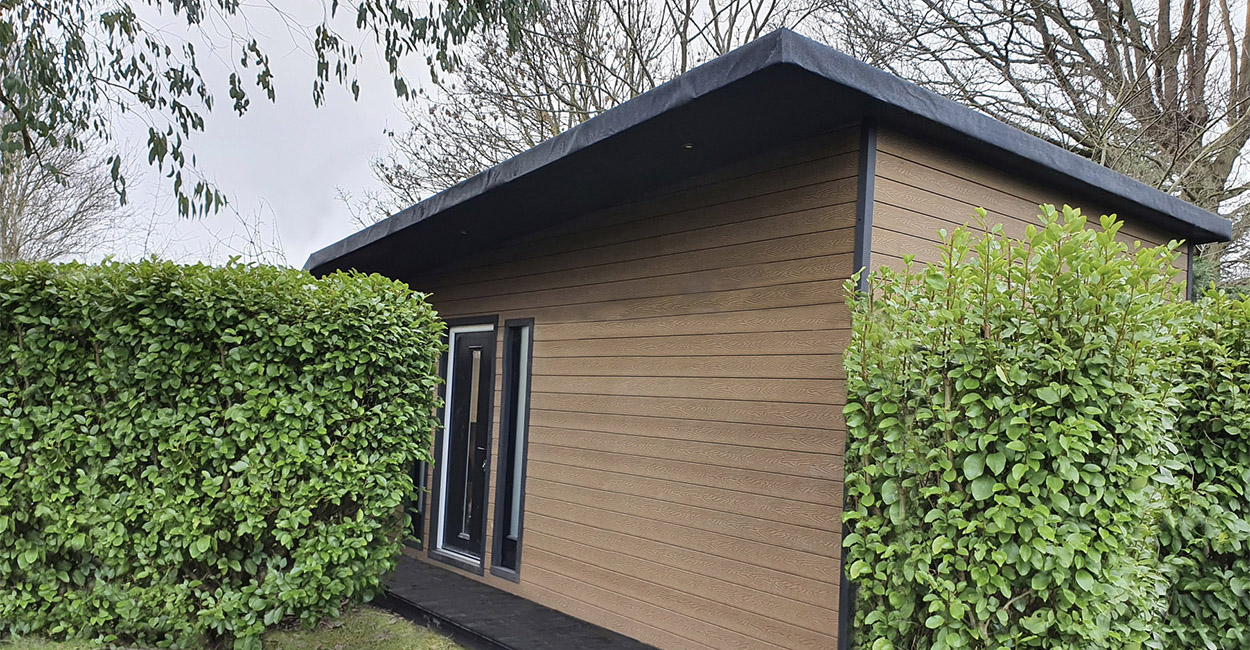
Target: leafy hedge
(191, 454)
(1007, 409)
(1206, 538)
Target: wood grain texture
(826, 441)
(729, 627)
(641, 290)
(812, 366)
(686, 437)
(744, 572)
(754, 389)
(806, 318)
(747, 601)
(782, 236)
(746, 530)
(829, 202)
(782, 342)
(921, 188)
(816, 416)
(753, 481)
(818, 516)
(716, 453)
(819, 163)
(760, 554)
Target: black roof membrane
(778, 89)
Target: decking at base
(481, 617)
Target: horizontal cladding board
(818, 516)
(798, 488)
(748, 343)
(574, 598)
(975, 193)
(787, 237)
(739, 571)
(899, 228)
(731, 627)
(829, 441)
(799, 544)
(724, 188)
(748, 602)
(824, 192)
(946, 211)
(679, 304)
(747, 276)
(921, 210)
(815, 366)
(824, 205)
(1031, 193)
(921, 165)
(782, 391)
(773, 461)
(817, 416)
(764, 555)
(825, 316)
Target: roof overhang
(778, 89)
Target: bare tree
(580, 58)
(56, 204)
(1160, 92)
(1157, 90)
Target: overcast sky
(280, 164)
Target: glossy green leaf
(175, 473)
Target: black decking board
(481, 617)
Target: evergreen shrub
(1206, 535)
(189, 455)
(1007, 410)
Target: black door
(467, 441)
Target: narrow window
(510, 483)
(420, 479)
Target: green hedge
(1206, 537)
(189, 455)
(1007, 409)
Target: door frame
(438, 487)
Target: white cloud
(280, 164)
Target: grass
(366, 627)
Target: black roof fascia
(772, 91)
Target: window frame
(513, 421)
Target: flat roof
(775, 90)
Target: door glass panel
(466, 442)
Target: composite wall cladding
(685, 458)
(684, 471)
(921, 189)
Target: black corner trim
(505, 425)
(1190, 288)
(865, 195)
(866, 188)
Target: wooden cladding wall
(921, 188)
(684, 481)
